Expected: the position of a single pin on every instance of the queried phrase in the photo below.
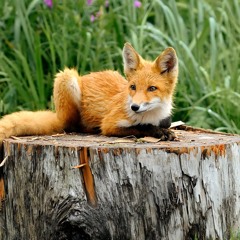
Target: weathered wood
(124, 189)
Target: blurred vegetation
(36, 41)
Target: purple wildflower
(92, 18)
(106, 3)
(48, 3)
(89, 2)
(137, 4)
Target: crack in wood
(88, 177)
(2, 190)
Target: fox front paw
(164, 134)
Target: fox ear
(167, 61)
(131, 58)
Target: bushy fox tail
(29, 123)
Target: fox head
(150, 84)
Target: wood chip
(79, 166)
(121, 140)
(176, 124)
(58, 134)
(3, 161)
(33, 139)
(149, 139)
(15, 138)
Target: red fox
(105, 102)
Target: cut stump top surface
(186, 137)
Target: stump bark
(122, 188)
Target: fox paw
(164, 134)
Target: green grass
(36, 42)
(235, 235)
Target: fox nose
(135, 107)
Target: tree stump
(123, 188)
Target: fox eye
(133, 87)
(152, 88)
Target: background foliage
(37, 40)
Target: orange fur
(105, 101)
(29, 123)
